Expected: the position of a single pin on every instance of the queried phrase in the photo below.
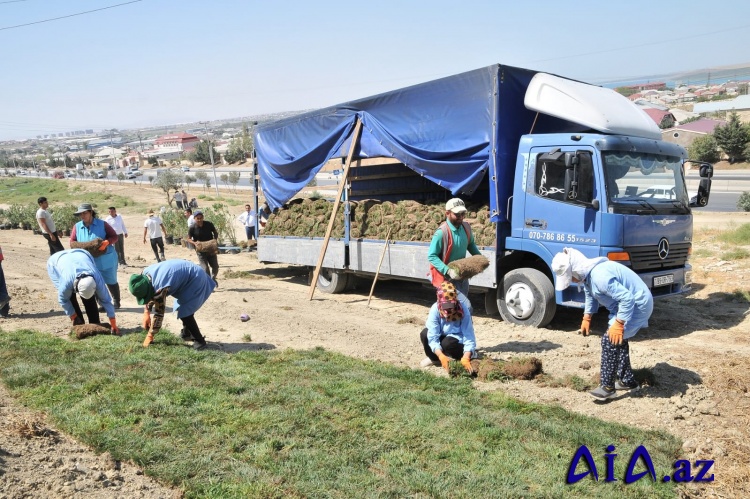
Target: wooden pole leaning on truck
(380, 263)
(342, 186)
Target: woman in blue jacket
(628, 300)
(91, 228)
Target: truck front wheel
(526, 297)
(330, 281)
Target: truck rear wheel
(526, 297)
(331, 281)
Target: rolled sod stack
(408, 220)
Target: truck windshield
(644, 183)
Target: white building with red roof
(176, 142)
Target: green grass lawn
(312, 423)
(25, 190)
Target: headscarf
(572, 263)
(447, 300)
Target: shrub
(704, 148)
(743, 202)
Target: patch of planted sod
(312, 423)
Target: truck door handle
(542, 224)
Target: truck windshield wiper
(646, 204)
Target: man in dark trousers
(47, 226)
(204, 231)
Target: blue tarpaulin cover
(445, 130)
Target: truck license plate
(663, 280)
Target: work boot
(199, 346)
(163, 257)
(114, 291)
(186, 335)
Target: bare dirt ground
(697, 348)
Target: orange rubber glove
(146, 319)
(585, 325)
(616, 331)
(103, 246)
(466, 362)
(444, 359)
(76, 320)
(113, 325)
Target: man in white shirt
(154, 229)
(118, 224)
(47, 226)
(247, 219)
(178, 199)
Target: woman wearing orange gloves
(628, 300)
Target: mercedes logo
(663, 248)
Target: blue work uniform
(187, 282)
(64, 267)
(622, 292)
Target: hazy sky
(153, 62)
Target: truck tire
(331, 281)
(527, 297)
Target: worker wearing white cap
(74, 274)
(451, 241)
(628, 300)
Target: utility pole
(211, 155)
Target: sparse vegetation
(735, 254)
(741, 235)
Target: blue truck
(559, 162)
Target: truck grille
(646, 258)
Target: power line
(671, 40)
(70, 15)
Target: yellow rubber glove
(585, 325)
(113, 325)
(466, 362)
(616, 331)
(103, 246)
(146, 319)
(444, 359)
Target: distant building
(664, 119)
(684, 135)
(179, 142)
(740, 104)
(640, 87)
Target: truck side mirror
(705, 171)
(704, 191)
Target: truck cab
(623, 198)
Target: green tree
(120, 177)
(733, 137)
(240, 146)
(201, 153)
(224, 178)
(168, 181)
(234, 179)
(704, 148)
(202, 177)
